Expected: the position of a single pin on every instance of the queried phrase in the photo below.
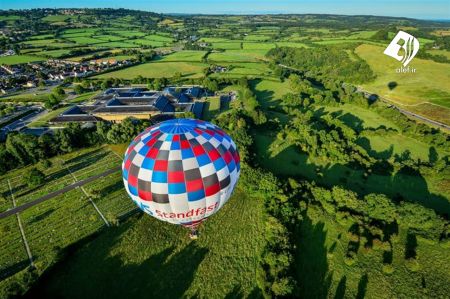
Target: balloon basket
(193, 235)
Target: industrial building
(116, 104)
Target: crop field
(58, 223)
(61, 221)
(225, 259)
(18, 59)
(429, 84)
(158, 70)
(13, 256)
(81, 165)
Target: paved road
(56, 193)
(386, 100)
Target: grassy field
(39, 96)
(18, 59)
(238, 56)
(322, 247)
(185, 56)
(158, 70)
(428, 85)
(59, 222)
(146, 255)
(212, 108)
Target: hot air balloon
(181, 171)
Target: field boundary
(87, 195)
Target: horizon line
(234, 13)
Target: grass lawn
(287, 160)
(263, 46)
(158, 70)
(18, 59)
(55, 18)
(429, 84)
(146, 256)
(212, 108)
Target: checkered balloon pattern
(181, 171)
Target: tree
(78, 89)
(34, 177)
(59, 91)
(380, 207)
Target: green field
(29, 97)
(427, 86)
(288, 160)
(144, 253)
(18, 59)
(158, 70)
(238, 56)
(43, 120)
(183, 56)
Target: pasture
(158, 70)
(18, 59)
(428, 85)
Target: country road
(368, 94)
(56, 193)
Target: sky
(431, 9)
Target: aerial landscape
(321, 159)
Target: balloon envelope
(181, 171)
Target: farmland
(158, 70)
(16, 59)
(224, 260)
